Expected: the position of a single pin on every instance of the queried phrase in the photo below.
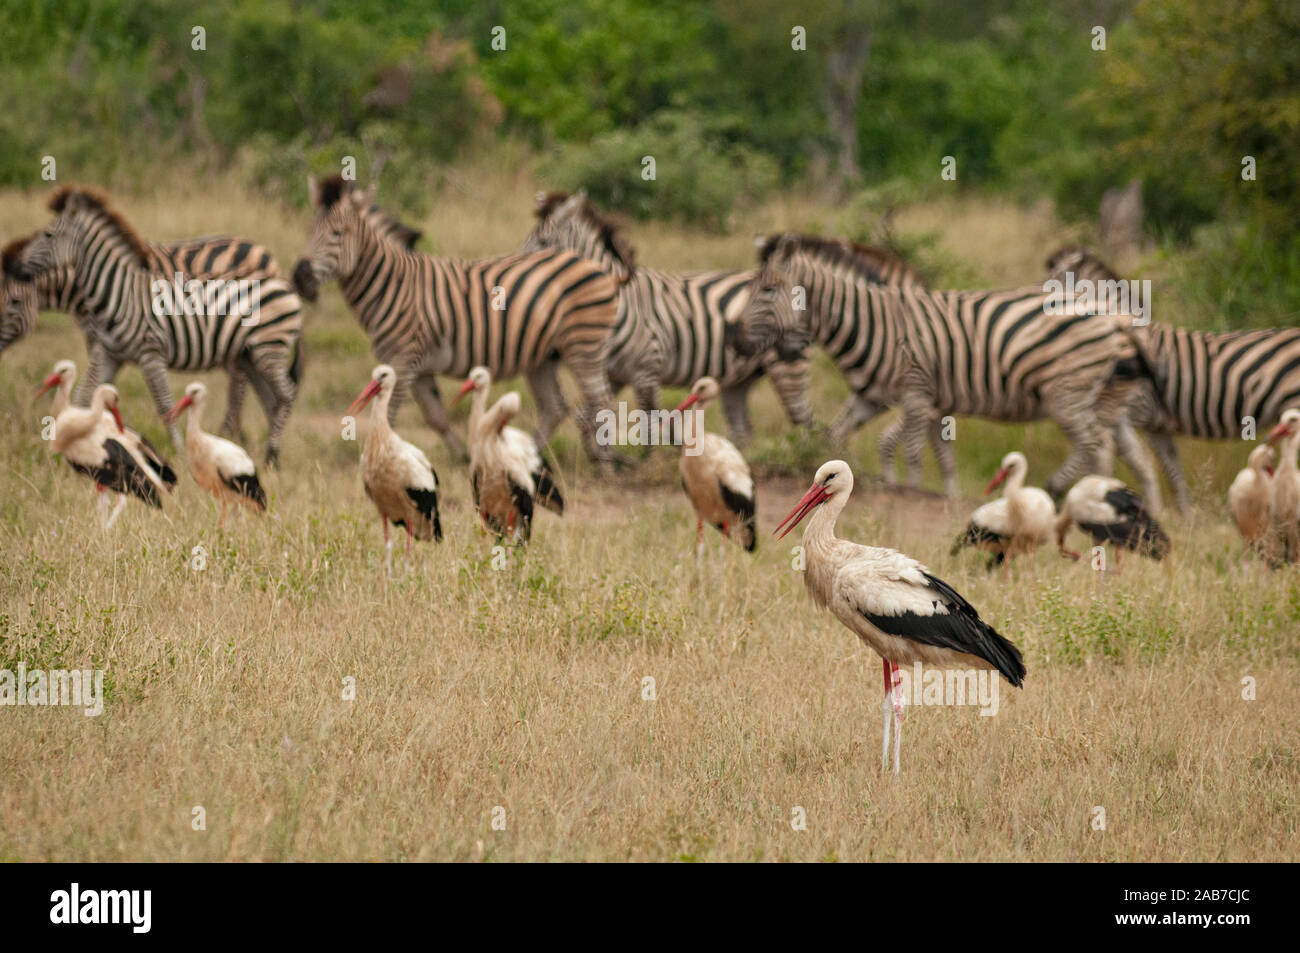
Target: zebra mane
(1056, 260)
(609, 231)
(393, 230)
(93, 198)
(869, 261)
(10, 254)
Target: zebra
(672, 329)
(1213, 385)
(22, 299)
(429, 315)
(993, 354)
(114, 295)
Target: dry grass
(522, 688)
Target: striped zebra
(428, 315)
(994, 354)
(251, 326)
(672, 329)
(1214, 384)
(23, 299)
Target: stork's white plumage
(1110, 512)
(1250, 498)
(62, 379)
(398, 477)
(1286, 486)
(92, 439)
(715, 475)
(520, 450)
(221, 467)
(891, 601)
(1018, 523)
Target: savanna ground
(522, 688)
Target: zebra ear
(759, 239)
(572, 204)
(313, 190)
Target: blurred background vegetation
(583, 89)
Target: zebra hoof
(272, 458)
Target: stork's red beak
(997, 480)
(365, 397)
(690, 401)
(178, 408)
(118, 417)
(54, 380)
(815, 497)
(1280, 431)
(465, 388)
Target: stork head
(705, 391)
(1261, 459)
(382, 380)
(194, 396)
(480, 379)
(106, 398)
(507, 409)
(1288, 425)
(1014, 463)
(833, 480)
(65, 372)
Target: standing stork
(221, 467)
(93, 440)
(1017, 524)
(890, 601)
(715, 475)
(499, 476)
(398, 477)
(1110, 512)
(64, 376)
(519, 446)
(1250, 498)
(1286, 485)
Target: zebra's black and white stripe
(251, 328)
(994, 354)
(672, 329)
(428, 315)
(1212, 385)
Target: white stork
(398, 477)
(64, 376)
(1110, 512)
(499, 477)
(1286, 485)
(1018, 523)
(221, 467)
(522, 450)
(891, 601)
(715, 475)
(94, 441)
(1250, 499)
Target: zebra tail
(295, 367)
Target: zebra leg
(1132, 452)
(1090, 443)
(425, 390)
(154, 370)
(101, 368)
(917, 420)
(735, 407)
(887, 446)
(552, 408)
(857, 411)
(947, 458)
(594, 387)
(273, 367)
(790, 380)
(237, 374)
(1167, 453)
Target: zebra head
(571, 222)
(17, 297)
(770, 318)
(84, 219)
(335, 240)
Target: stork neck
(820, 531)
(379, 425)
(477, 407)
(692, 437)
(1290, 447)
